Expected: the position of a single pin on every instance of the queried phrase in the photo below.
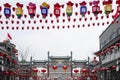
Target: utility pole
(71, 65)
(48, 64)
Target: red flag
(9, 36)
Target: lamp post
(71, 64)
(88, 78)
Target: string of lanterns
(44, 7)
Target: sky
(83, 41)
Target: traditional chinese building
(8, 61)
(59, 67)
(109, 53)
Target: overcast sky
(82, 41)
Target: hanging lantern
(63, 14)
(84, 70)
(7, 10)
(95, 8)
(6, 22)
(118, 7)
(117, 44)
(57, 10)
(35, 70)
(13, 16)
(108, 6)
(37, 28)
(50, 14)
(17, 28)
(12, 21)
(64, 67)
(25, 15)
(46, 21)
(0, 8)
(88, 25)
(43, 70)
(54, 67)
(51, 21)
(102, 17)
(76, 4)
(2, 54)
(63, 27)
(23, 21)
(63, 20)
(40, 21)
(83, 8)
(31, 9)
(44, 9)
(7, 27)
(38, 15)
(17, 22)
(76, 13)
(19, 10)
(76, 70)
(69, 8)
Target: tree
(24, 53)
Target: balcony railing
(111, 57)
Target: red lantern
(29, 21)
(76, 4)
(13, 8)
(32, 28)
(31, 9)
(2, 28)
(2, 54)
(117, 44)
(22, 28)
(76, 70)
(46, 21)
(88, 25)
(63, 20)
(84, 70)
(13, 16)
(54, 67)
(74, 20)
(63, 14)
(23, 21)
(25, 15)
(37, 28)
(12, 21)
(34, 22)
(7, 27)
(17, 28)
(38, 15)
(63, 27)
(51, 21)
(0, 8)
(43, 70)
(58, 27)
(40, 21)
(50, 14)
(90, 18)
(57, 20)
(17, 22)
(6, 22)
(35, 70)
(65, 67)
(57, 10)
(42, 27)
